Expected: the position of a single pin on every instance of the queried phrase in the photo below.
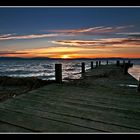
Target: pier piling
(83, 67)
(123, 62)
(96, 63)
(92, 65)
(58, 73)
(99, 63)
(138, 86)
(129, 62)
(125, 68)
(107, 62)
(118, 63)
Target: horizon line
(70, 6)
(71, 58)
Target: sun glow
(76, 52)
(65, 56)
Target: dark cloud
(11, 52)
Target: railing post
(107, 62)
(83, 67)
(96, 63)
(91, 65)
(125, 68)
(58, 73)
(118, 63)
(129, 62)
(99, 63)
(123, 62)
(138, 85)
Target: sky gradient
(70, 32)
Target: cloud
(60, 53)
(11, 52)
(5, 35)
(99, 42)
(75, 42)
(33, 36)
(131, 34)
(99, 30)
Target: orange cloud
(99, 42)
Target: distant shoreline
(45, 58)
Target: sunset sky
(68, 32)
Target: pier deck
(96, 103)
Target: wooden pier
(101, 101)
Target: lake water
(44, 69)
(135, 70)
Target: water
(44, 69)
(135, 70)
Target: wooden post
(91, 65)
(118, 63)
(58, 73)
(123, 62)
(83, 67)
(138, 86)
(99, 63)
(125, 68)
(129, 62)
(96, 63)
(107, 62)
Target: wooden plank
(114, 110)
(98, 97)
(120, 112)
(134, 106)
(90, 92)
(95, 115)
(70, 119)
(5, 127)
(119, 106)
(39, 124)
(67, 119)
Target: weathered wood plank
(89, 114)
(94, 100)
(5, 127)
(90, 92)
(39, 124)
(70, 119)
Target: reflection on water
(135, 71)
(125, 85)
